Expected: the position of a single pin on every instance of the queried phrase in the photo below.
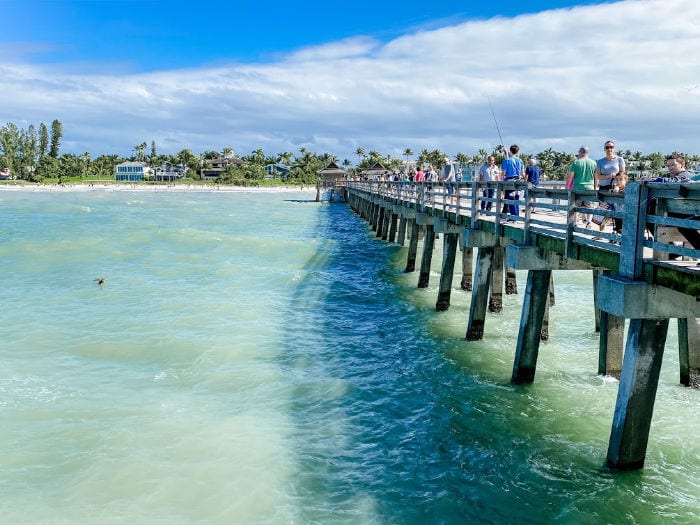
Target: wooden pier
(644, 277)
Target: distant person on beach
(488, 173)
(581, 176)
(513, 170)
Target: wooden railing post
(633, 226)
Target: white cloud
(559, 79)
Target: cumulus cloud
(558, 79)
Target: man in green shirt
(581, 176)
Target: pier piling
(689, 351)
(427, 259)
(529, 336)
(636, 393)
(467, 272)
(446, 275)
(480, 294)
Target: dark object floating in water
(100, 281)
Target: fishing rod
(493, 114)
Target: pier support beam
(480, 294)
(496, 299)
(544, 334)
(611, 344)
(427, 259)
(412, 247)
(467, 272)
(449, 255)
(689, 351)
(596, 272)
(534, 305)
(377, 216)
(402, 230)
(385, 222)
(392, 226)
(636, 394)
(511, 282)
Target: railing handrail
(677, 206)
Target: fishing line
(493, 114)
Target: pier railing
(660, 221)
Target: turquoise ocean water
(259, 358)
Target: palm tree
(360, 152)
(462, 158)
(637, 157)
(424, 156)
(327, 158)
(85, 157)
(408, 153)
(546, 161)
(286, 158)
(140, 150)
(258, 156)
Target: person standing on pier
(449, 179)
(610, 169)
(419, 176)
(513, 170)
(488, 173)
(677, 173)
(533, 174)
(581, 176)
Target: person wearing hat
(449, 178)
(581, 176)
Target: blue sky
(152, 35)
(331, 77)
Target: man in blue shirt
(513, 170)
(532, 173)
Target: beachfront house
(215, 167)
(277, 171)
(170, 173)
(375, 172)
(132, 171)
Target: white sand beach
(156, 188)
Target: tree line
(33, 154)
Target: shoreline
(156, 188)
